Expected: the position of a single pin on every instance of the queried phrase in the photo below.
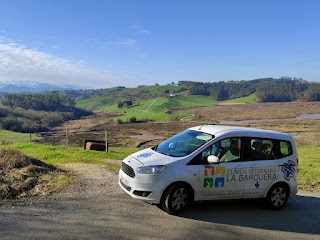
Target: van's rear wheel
(277, 197)
(176, 198)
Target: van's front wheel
(176, 198)
(277, 197)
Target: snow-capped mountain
(32, 87)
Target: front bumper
(144, 187)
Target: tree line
(267, 90)
(52, 101)
(284, 89)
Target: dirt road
(96, 208)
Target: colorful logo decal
(208, 182)
(144, 155)
(289, 170)
(210, 172)
(209, 169)
(219, 182)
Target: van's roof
(219, 129)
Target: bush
(21, 120)
(133, 120)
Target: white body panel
(224, 180)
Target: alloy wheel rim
(278, 197)
(179, 199)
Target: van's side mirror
(213, 159)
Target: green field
(61, 154)
(248, 99)
(309, 167)
(15, 137)
(57, 155)
(156, 90)
(151, 109)
(114, 95)
(154, 108)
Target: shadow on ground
(300, 215)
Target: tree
(120, 104)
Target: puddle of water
(300, 117)
(309, 116)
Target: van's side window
(230, 150)
(226, 150)
(266, 149)
(285, 148)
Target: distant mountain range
(32, 87)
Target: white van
(212, 162)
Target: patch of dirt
(94, 128)
(88, 122)
(21, 176)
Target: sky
(109, 43)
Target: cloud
(128, 43)
(18, 63)
(140, 29)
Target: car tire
(277, 197)
(176, 198)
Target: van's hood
(149, 157)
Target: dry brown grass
(254, 111)
(305, 131)
(21, 176)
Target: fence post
(67, 137)
(106, 139)
(30, 137)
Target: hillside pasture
(154, 109)
(248, 99)
(164, 108)
(7, 137)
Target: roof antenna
(200, 127)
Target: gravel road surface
(96, 208)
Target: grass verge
(309, 168)
(60, 154)
(7, 137)
(308, 177)
(22, 175)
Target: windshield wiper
(164, 153)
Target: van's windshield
(183, 143)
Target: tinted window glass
(230, 149)
(266, 149)
(227, 150)
(285, 148)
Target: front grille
(128, 170)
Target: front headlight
(151, 169)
